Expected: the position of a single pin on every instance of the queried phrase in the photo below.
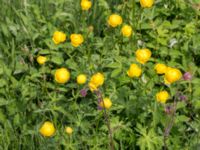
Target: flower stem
(170, 124)
(106, 116)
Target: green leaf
(113, 65)
(116, 72)
(181, 118)
(57, 60)
(45, 52)
(2, 83)
(4, 102)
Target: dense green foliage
(29, 95)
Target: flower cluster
(60, 37)
(115, 20)
(48, 129)
(142, 55)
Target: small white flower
(144, 80)
(172, 42)
(140, 43)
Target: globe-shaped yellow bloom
(172, 75)
(134, 71)
(126, 30)
(81, 79)
(162, 96)
(47, 129)
(76, 39)
(58, 37)
(92, 87)
(143, 55)
(106, 103)
(114, 20)
(41, 60)
(96, 81)
(86, 4)
(160, 68)
(68, 130)
(146, 3)
(62, 75)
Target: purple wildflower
(183, 97)
(83, 92)
(168, 110)
(187, 76)
(99, 101)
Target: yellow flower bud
(126, 30)
(68, 130)
(41, 60)
(106, 103)
(81, 79)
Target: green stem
(106, 116)
(154, 114)
(134, 24)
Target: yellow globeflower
(92, 86)
(162, 96)
(126, 30)
(160, 68)
(146, 3)
(143, 55)
(47, 129)
(134, 71)
(172, 75)
(76, 39)
(68, 130)
(41, 60)
(86, 4)
(106, 103)
(114, 20)
(96, 81)
(81, 79)
(62, 75)
(58, 37)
